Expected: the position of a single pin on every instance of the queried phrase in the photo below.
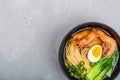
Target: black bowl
(81, 27)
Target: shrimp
(89, 38)
(80, 35)
(108, 39)
(95, 42)
(105, 47)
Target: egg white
(90, 55)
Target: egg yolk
(96, 52)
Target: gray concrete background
(31, 31)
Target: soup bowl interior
(80, 28)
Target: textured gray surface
(31, 31)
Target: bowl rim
(103, 26)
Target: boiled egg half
(95, 53)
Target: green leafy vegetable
(78, 71)
(97, 68)
(103, 67)
(114, 62)
(101, 75)
(109, 72)
(92, 64)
